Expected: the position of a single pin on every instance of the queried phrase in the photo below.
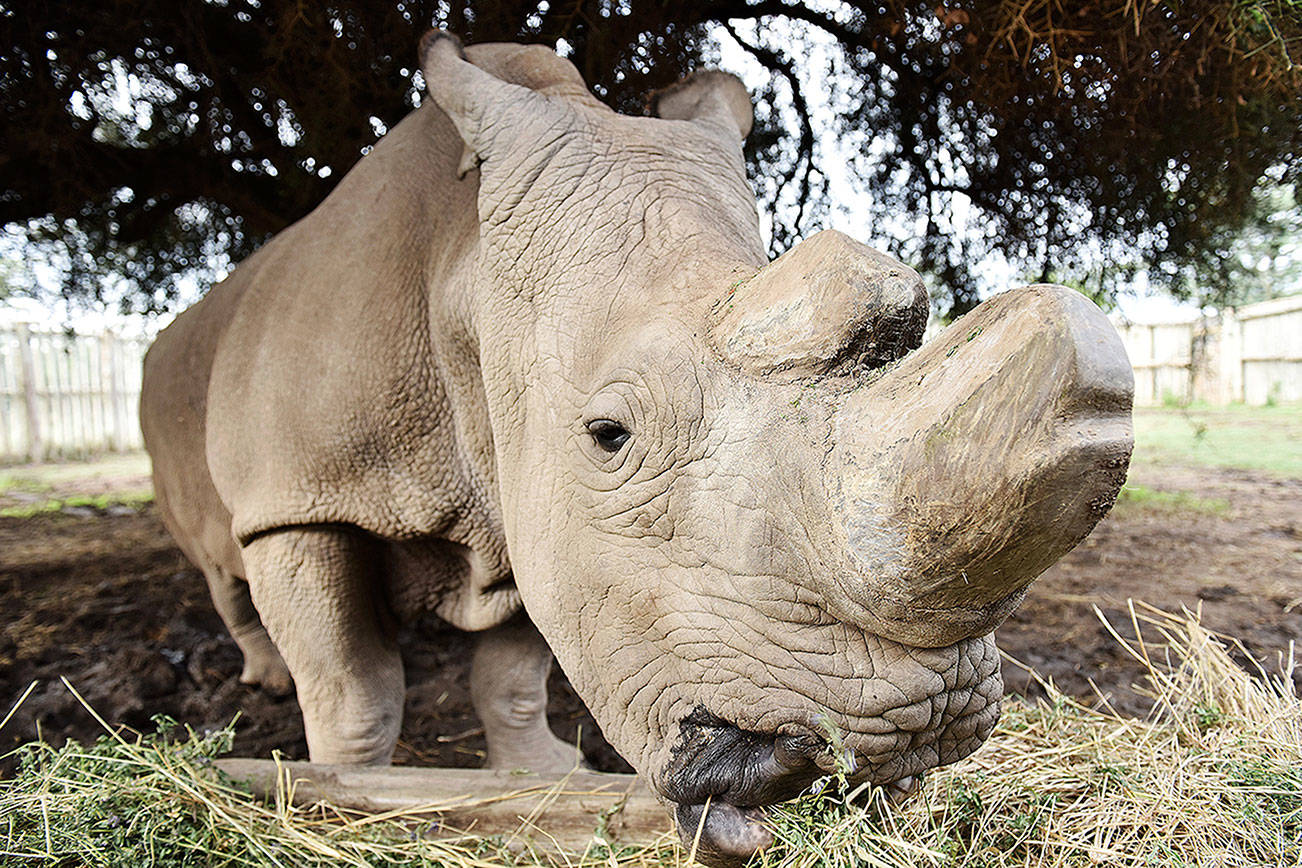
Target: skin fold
(528, 367)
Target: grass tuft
(1212, 777)
(159, 800)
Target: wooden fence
(1250, 355)
(67, 396)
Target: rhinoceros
(528, 367)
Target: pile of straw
(1212, 777)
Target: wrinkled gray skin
(414, 399)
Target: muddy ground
(103, 598)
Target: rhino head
(750, 517)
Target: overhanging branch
(804, 166)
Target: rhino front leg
(263, 665)
(316, 589)
(508, 686)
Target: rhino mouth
(721, 776)
(727, 835)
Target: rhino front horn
(960, 475)
(829, 303)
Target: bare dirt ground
(1241, 563)
(102, 597)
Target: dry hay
(1212, 777)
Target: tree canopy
(144, 139)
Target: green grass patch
(12, 480)
(44, 477)
(1139, 498)
(37, 489)
(1265, 439)
(133, 499)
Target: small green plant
(1267, 795)
(1173, 400)
(965, 801)
(1208, 716)
(1112, 774)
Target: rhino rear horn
(828, 304)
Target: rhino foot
(545, 754)
(508, 686)
(265, 668)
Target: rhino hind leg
(263, 665)
(319, 595)
(508, 686)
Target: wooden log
(550, 811)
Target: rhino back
(173, 412)
(343, 387)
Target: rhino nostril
(797, 752)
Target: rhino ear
(706, 96)
(489, 114)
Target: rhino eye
(610, 436)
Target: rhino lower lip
(899, 790)
(724, 835)
(721, 834)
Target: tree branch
(775, 62)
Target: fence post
(108, 354)
(27, 365)
(1231, 357)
